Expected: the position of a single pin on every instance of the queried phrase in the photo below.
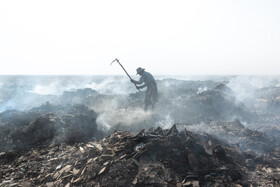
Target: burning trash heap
(58, 144)
(155, 157)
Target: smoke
(218, 131)
(244, 87)
(102, 122)
(202, 128)
(198, 103)
(52, 88)
(102, 84)
(200, 90)
(131, 120)
(112, 85)
(120, 106)
(166, 122)
(1, 99)
(25, 92)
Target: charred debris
(213, 140)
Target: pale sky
(174, 37)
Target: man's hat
(139, 70)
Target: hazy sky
(176, 37)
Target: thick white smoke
(114, 104)
(124, 119)
(166, 122)
(112, 85)
(244, 87)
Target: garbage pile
(154, 158)
(46, 124)
(270, 96)
(235, 133)
(217, 140)
(189, 105)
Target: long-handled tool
(124, 71)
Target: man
(151, 92)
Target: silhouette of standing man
(151, 92)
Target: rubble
(189, 105)
(217, 140)
(154, 158)
(47, 124)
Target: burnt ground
(200, 134)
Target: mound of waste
(211, 104)
(154, 158)
(45, 125)
(235, 133)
